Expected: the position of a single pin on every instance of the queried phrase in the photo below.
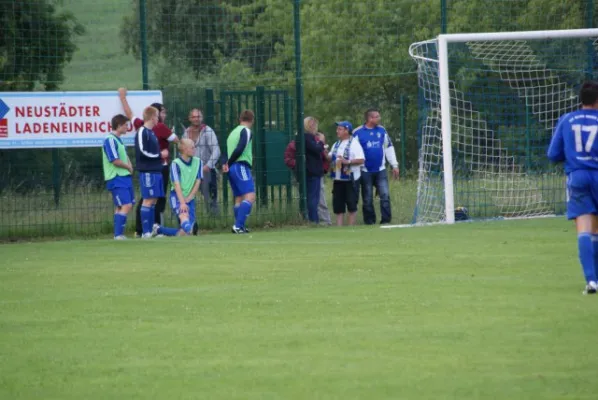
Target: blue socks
(586, 255)
(187, 226)
(147, 216)
(236, 212)
(152, 217)
(168, 231)
(595, 246)
(120, 220)
(241, 213)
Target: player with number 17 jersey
(574, 142)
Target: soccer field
(485, 310)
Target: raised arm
(122, 94)
(313, 146)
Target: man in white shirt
(346, 157)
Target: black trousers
(160, 204)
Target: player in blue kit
(238, 167)
(117, 174)
(149, 164)
(574, 143)
(185, 177)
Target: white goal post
(494, 98)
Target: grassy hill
(100, 62)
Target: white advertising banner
(65, 119)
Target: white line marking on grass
(418, 225)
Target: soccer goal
(488, 105)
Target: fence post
(56, 176)
(590, 45)
(288, 125)
(210, 107)
(403, 134)
(300, 143)
(528, 139)
(223, 146)
(443, 16)
(143, 44)
(260, 128)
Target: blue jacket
(147, 151)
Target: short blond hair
(185, 142)
(149, 113)
(310, 125)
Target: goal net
(488, 105)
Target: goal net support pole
(511, 48)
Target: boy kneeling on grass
(117, 174)
(185, 177)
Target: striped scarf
(346, 173)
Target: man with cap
(346, 158)
(165, 136)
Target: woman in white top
(346, 157)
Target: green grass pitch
(472, 311)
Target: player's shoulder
(357, 130)
(575, 114)
(112, 140)
(247, 131)
(175, 164)
(380, 128)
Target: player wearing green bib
(185, 177)
(238, 167)
(117, 174)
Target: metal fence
(284, 58)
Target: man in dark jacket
(314, 167)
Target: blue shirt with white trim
(112, 154)
(574, 141)
(374, 141)
(147, 151)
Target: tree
(36, 42)
(354, 53)
(194, 33)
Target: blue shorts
(582, 193)
(175, 205)
(241, 181)
(151, 184)
(122, 196)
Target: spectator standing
(378, 148)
